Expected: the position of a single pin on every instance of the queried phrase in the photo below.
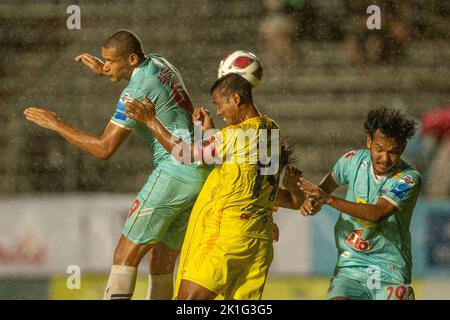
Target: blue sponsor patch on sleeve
(120, 111)
(400, 190)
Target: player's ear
(369, 141)
(236, 98)
(133, 59)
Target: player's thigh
(249, 269)
(342, 285)
(155, 208)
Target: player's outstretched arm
(291, 197)
(311, 205)
(370, 212)
(102, 147)
(146, 114)
(93, 63)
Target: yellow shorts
(232, 265)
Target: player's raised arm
(370, 212)
(102, 147)
(146, 114)
(93, 63)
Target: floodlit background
(62, 209)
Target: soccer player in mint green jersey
(158, 217)
(372, 231)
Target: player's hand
(310, 207)
(313, 191)
(204, 116)
(42, 117)
(93, 63)
(275, 232)
(141, 112)
(291, 177)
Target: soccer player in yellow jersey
(228, 244)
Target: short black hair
(126, 43)
(234, 83)
(392, 123)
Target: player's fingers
(81, 56)
(149, 102)
(78, 58)
(129, 106)
(303, 211)
(309, 206)
(137, 104)
(130, 115)
(196, 115)
(205, 111)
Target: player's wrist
(58, 125)
(152, 123)
(328, 199)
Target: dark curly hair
(287, 155)
(392, 123)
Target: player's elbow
(104, 154)
(377, 217)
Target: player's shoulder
(356, 155)
(407, 174)
(146, 74)
(262, 122)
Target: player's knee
(192, 291)
(128, 253)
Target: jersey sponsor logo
(350, 154)
(120, 107)
(400, 190)
(408, 180)
(354, 240)
(364, 164)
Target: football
(243, 63)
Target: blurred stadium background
(62, 207)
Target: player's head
(122, 52)
(230, 94)
(388, 132)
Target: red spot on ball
(242, 62)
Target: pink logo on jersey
(354, 240)
(350, 154)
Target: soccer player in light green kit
(372, 231)
(158, 217)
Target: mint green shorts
(161, 210)
(356, 284)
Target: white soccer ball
(243, 63)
